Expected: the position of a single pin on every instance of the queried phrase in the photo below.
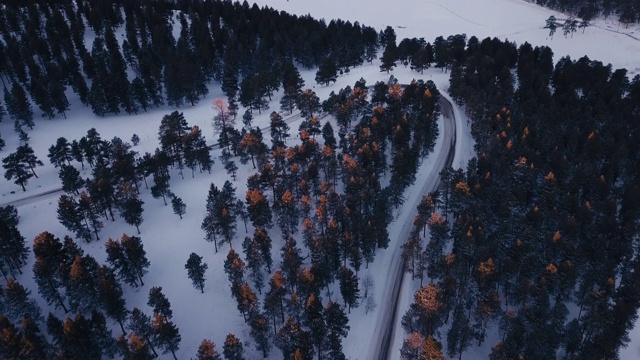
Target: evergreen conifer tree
(196, 270)
(179, 207)
(207, 351)
(337, 329)
(83, 284)
(128, 258)
(166, 334)
(110, 291)
(159, 302)
(70, 217)
(232, 348)
(349, 288)
(140, 324)
(46, 269)
(18, 304)
(70, 178)
(327, 71)
(19, 107)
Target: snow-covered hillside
(516, 20)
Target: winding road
(443, 156)
(389, 309)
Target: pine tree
(232, 348)
(460, 334)
(308, 103)
(292, 338)
(258, 208)
(128, 258)
(207, 351)
(110, 291)
(18, 106)
(327, 71)
(254, 261)
(222, 121)
(260, 332)
(81, 337)
(18, 304)
(229, 165)
(22, 342)
(166, 334)
(251, 146)
(160, 187)
(388, 59)
(71, 180)
(412, 347)
(87, 209)
(179, 207)
(12, 243)
(274, 299)
(135, 348)
(337, 328)
(83, 284)
(173, 128)
(313, 319)
(210, 222)
(234, 268)
(279, 130)
(226, 215)
(20, 165)
(291, 261)
(70, 217)
(349, 288)
(262, 239)
(60, 153)
(159, 303)
(76, 152)
(432, 349)
(196, 269)
(131, 210)
(46, 269)
(140, 324)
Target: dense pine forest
(535, 241)
(537, 238)
(51, 47)
(628, 11)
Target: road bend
(444, 157)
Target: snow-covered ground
(516, 20)
(169, 241)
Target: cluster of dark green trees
(384, 131)
(12, 243)
(628, 11)
(544, 220)
(20, 165)
(118, 171)
(75, 282)
(247, 48)
(114, 184)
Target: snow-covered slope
(516, 20)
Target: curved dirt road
(389, 311)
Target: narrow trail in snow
(34, 198)
(459, 16)
(432, 182)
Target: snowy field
(516, 20)
(169, 241)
